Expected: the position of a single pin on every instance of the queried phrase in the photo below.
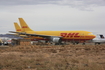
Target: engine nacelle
(56, 40)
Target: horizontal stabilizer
(17, 32)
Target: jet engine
(56, 40)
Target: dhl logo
(24, 27)
(70, 34)
(18, 29)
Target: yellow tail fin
(17, 27)
(24, 26)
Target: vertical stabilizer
(17, 27)
(101, 36)
(24, 26)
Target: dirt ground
(60, 57)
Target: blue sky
(54, 15)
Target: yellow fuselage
(66, 35)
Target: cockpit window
(90, 34)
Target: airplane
(55, 36)
(99, 39)
(17, 27)
(7, 38)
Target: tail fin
(101, 36)
(17, 27)
(24, 26)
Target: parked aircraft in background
(99, 39)
(17, 27)
(6, 39)
(55, 36)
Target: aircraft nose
(93, 36)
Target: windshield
(90, 34)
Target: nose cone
(93, 36)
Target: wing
(44, 36)
(55, 39)
(37, 35)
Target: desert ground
(53, 57)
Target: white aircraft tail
(99, 39)
(101, 36)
